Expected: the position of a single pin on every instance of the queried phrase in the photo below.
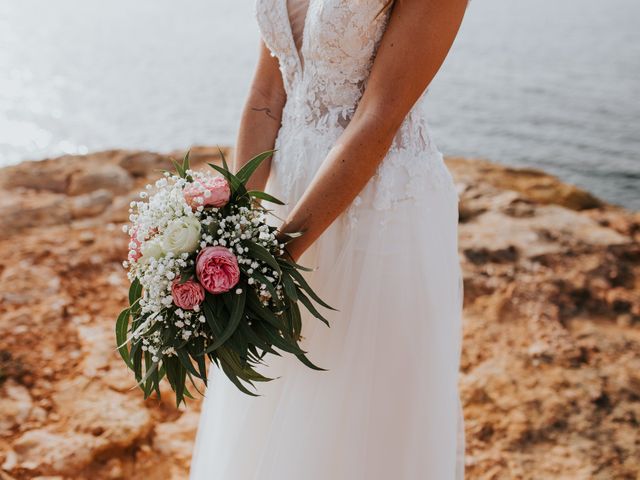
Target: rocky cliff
(551, 364)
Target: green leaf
(290, 264)
(262, 254)
(157, 377)
(264, 196)
(135, 291)
(234, 379)
(240, 369)
(194, 385)
(257, 341)
(178, 168)
(211, 317)
(261, 311)
(149, 371)
(303, 358)
(180, 384)
(303, 283)
(122, 327)
(224, 160)
(312, 309)
(237, 313)
(289, 287)
(263, 279)
(185, 162)
(185, 360)
(136, 359)
(284, 343)
(244, 174)
(202, 368)
(296, 320)
(186, 275)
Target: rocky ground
(551, 365)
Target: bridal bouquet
(209, 279)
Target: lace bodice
(339, 43)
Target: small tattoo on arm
(266, 110)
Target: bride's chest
(335, 31)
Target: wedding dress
(387, 407)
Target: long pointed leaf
(305, 360)
(244, 174)
(122, 326)
(135, 291)
(237, 313)
(261, 253)
(307, 288)
(265, 196)
(312, 309)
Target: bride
(339, 93)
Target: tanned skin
(412, 50)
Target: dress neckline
(292, 41)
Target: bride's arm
(415, 43)
(261, 117)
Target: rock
(15, 405)
(48, 175)
(117, 420)
(10, 461)
(118, 211)
(21, 212)
(140, 164)
(534, 185)
(175, 439)
(46, 450)
(550, 229)
(91, 204)
(109, 177)
(25, 283)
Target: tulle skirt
(387, 407)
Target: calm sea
(552, 84)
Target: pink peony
(217, 269)
(187, 295)
(211, 191)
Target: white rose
(151, 249)
(182, 236)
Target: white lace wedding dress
(387, 408)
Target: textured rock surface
(551, 363)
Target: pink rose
(211, 191)
(217, 269)
(187, 295)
